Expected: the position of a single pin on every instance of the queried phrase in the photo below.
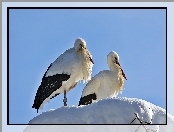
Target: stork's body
(107, 83)
(64, 73)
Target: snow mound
(107, 111)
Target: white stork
(107, 83)
(64, 73)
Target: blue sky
(38, 37)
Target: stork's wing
(90, 90)
(48, 86)
(59, 71)
(87, 99)
(65, 63)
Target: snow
(120, 110)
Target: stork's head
(79, 44)
(113, 62)
(112, 58)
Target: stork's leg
(65, 99)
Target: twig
(138, 118)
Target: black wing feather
(87, 99)
(48, 86)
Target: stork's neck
(113, 67)
(116, 69)
(86, 65)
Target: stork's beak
(121, 69)
(89, 56)
(91, 59)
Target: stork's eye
(115, 58)
(82, 46)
